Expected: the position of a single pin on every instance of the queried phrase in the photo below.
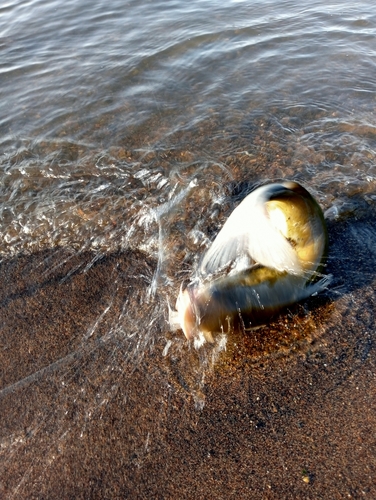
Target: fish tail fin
(319, 286)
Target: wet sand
(288, 411)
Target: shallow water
(137, 127)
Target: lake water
(110, 109)
(133, 129)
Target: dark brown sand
(289, 411)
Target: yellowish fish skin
(254, 295)
(227, 301)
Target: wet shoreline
(82, 418)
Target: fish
(269, 254)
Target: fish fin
(319, 286)
(173, 319)
(268, 246)
(254, 232)
(225, 252)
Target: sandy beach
(288, 411)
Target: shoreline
(95, 418)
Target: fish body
(268, 255)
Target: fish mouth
(187, 315)
(185, 311)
